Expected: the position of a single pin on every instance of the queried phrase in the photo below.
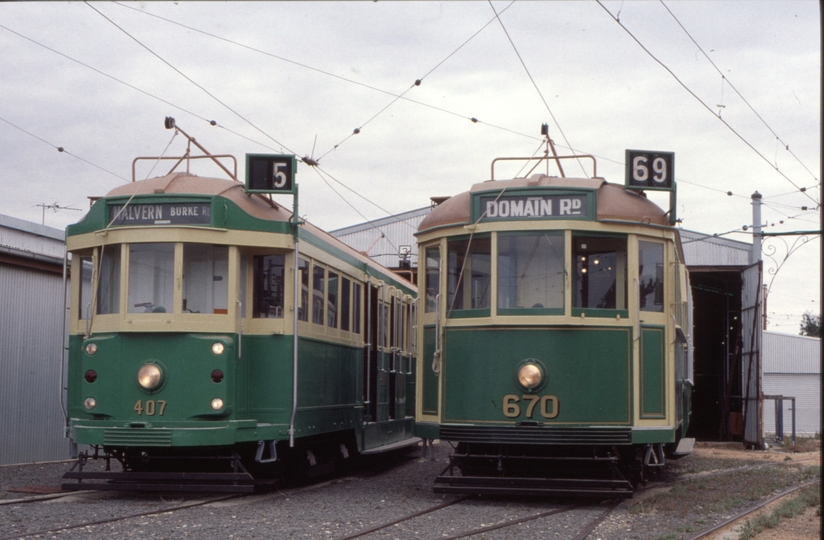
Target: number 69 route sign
(270, 173)
(646, 169)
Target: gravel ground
(336, 508)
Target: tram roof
(614, 202)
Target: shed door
(751, 352)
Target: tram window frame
(332, 297)
(268, 289)
(356, 307)
(653, 284)
(345, 303)
(212, 300)
(108, 280)
(303, 309)
(517, 279)
(594, 249)
(318, 293)
(159, 282)
(432, 277)
(466, 254)
(84, 267)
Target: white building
(791, 367)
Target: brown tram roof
(613, 201)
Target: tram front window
(469, 274)
(205, 283)
(530, 271)
(108, 284)
(151, 278)
(600, 272)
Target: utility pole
(755, 254)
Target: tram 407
(215, 342)
(555, 333)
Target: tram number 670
(549, 405)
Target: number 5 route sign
(270, 173)
(650, 170)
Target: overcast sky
(732, 88)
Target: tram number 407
(548, 406)
(150, 407)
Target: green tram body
(584, 280)
(196, 277)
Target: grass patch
(807, 497)
(720, 493)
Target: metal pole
(755, 254)
(295, 306)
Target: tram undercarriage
(559, 471)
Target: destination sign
(533, 207)
(160, 214)
(270, 173)
(650, 170)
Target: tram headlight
(149, 376)
(530, 376)
(217, 404)
(218, 348)
(90, 403)
(91, 349)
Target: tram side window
(108, 284)
(267, 302)
(651, 276)
(84, 307)
(530, 271)
(332, 300)
(205, 279)
(469, 274)
(433, 278)
(318, 281)
(303, 309)
(600, 272)
(344, 303)
(356, 307)
(151, 278)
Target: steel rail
(706, 532)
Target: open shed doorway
(716, 400)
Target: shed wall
(31, 333)
(807, 392)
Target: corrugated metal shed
(31, 331)
(786, 353)
(384, 240)
(705, 250)
(792, 368)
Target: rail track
(578, 521)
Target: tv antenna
(54, 207)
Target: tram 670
(555, 324)
(215, 342)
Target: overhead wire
(195, 83)
(685, 87)
(725, 79)
(532, 80)
(61, 149)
